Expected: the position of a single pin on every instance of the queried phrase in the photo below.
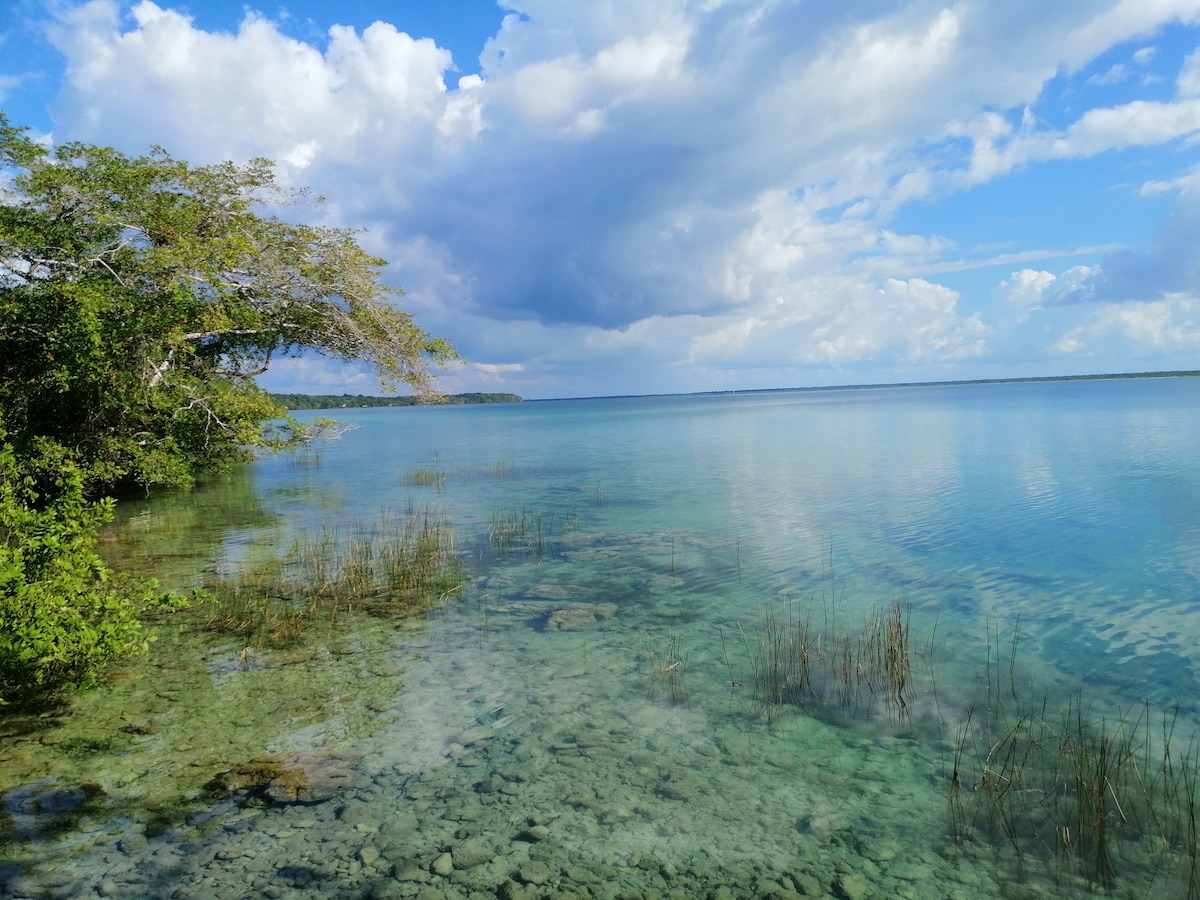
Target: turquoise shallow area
(584, 719)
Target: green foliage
(140, 297)
(63, 614)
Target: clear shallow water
(582, 720)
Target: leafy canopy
(140, 296)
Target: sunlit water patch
(675, 667)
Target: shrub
(63, 614)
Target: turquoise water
(584, 719)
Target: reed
(570, 521)
(426, 477)
(516, 531)
(666, 664)
(402, 565)
(827, 671)
(1099, 795)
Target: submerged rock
(309, 777)
(554, 592)
(469, 855)
(579, 616)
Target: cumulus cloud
(691, 189)
(1167, 325)
(1169, 266)
(235, 95)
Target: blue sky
(646, 196)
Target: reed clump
(426, 477)
(400, 566)
(516, 530)
(1103, 795)
(809, 661)
(665, 666)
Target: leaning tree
(140, 297)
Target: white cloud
(691, 187)
(1188, 83)
(835, 322)
(997, 149)
(1162, 325)
(1117, 73)
(1025, 289)
(234, 95)
(1031, 289)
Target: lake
(931, 641)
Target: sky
(609, 197)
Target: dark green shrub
(63, 613)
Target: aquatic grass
(426, 477)
(780, 661)
(248, 604)
(570, 520)
(828, 671)
(500, 470)
(520, 530)
(666, 665)
(888, 658)
(304, 458)
(402, 565)
(1096, 794)
(514, 530)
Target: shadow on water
(178, 535)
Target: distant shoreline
(363, 401)
(359, 401)
(1116, 376)
(1187, 373)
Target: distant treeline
(343, 401)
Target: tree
(140, 297)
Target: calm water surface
(592, 716)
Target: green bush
(63, 614)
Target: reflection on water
(176, 536)
(588, 718)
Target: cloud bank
(664, 195)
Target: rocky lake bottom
(528, 740)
